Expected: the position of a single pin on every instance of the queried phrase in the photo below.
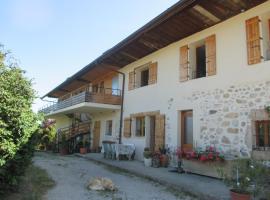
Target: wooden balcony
(103, 96)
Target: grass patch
(33, 185)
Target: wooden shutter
(210, 44)
(184, 63)
(253, 40)
(96, 134)
(269, 28)
(153, 73)
(131, 80)
(127, 127)
(159, 132)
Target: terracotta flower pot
(63, 151)
(164, 161)
(239, 196)
(83, 150)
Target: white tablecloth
(124, 149)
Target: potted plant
(147, 154)
(64, 145)
(156, 159)
(267, 109)
(245, 178)
(164, 158)
(83, 147)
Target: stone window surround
(257, 115)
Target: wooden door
(186, 130)
(96, 134)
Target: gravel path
(72, 174)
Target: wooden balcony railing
(103, 96)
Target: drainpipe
(122, 107)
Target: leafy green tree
(17, 120)
(47, 134)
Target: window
(258, 38)
(198, 59)
(115, 86)
(140, 126)
(265, 20)
(101, 87)
(262, 133)
(143, 76)
(108, 127)
(95, 88)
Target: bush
(17, 121)
(247, 176)
(147, 153)
(46, 135)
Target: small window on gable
(140, 127)
(109, 127)
(262, 134)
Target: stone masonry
(225, 116)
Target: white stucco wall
(170, 96)
(103, 117)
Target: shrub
(17, 121)
(247, 176)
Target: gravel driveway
(72, 174)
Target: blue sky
(53, 39)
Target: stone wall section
(226, 116)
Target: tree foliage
(17, 120)
(47, 134)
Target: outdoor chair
(105, 150)
(113, 151)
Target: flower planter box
(207, 168)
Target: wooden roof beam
(63, 90)
(129, 55)
(206, 13)
(149, 44)
(82, 80)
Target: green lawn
(33, 186)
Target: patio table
(124, 149)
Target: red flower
(210, 156)
(203, 158)
(211, 149)
(193, 154)
(188, 156)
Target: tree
(17, 120)
(47, 134)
